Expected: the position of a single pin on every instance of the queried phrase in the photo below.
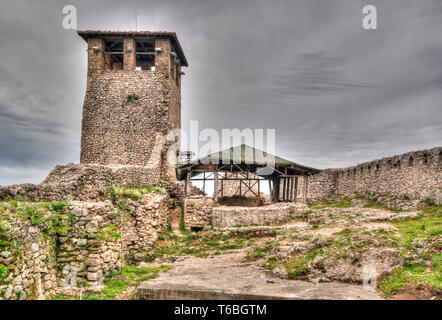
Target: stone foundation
(201, 212)
(275, 214)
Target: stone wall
(82, 182)
(198, 212)
(415, 174)
(120, 131)
(202, 212)
(275, 214)
(148, 219)
(319, 186)
(230, 187)
(88, 239)
(27, 267)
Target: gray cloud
(335, 93)
(315, 73)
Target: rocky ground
(342, 248)
(391, 245)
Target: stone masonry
(90, 240)
(415, 174)
(202, 212)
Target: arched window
(410, 162)
(369, 169)
(377, 166)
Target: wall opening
(196, 229)
(410, 162)
(145, 54)
(114, 54)
(425, 159)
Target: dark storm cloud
(335, 93)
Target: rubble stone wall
(415, 174)
(27, 268)
(274, 214)
(82, 182)
(88, 240)
(119, 130)
(198, 212)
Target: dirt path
(227, 276)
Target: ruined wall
(40, 247)
(118, 131)
(82, 182)
(415, 174)
(202, 212)
(198, 212)
(275, 214)
(27, 268)
(148, 218)
(319, 186)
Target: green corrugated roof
(245, 154)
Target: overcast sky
(336, 94)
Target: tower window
(145, 54)
(114, 54)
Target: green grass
(195, 244)
(135, 193)
(426, 271)
(4, 271)
(341, 202)
(182, 224)
(259, 252)
(119, 281)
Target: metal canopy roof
(244, 158)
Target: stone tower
(133, 96)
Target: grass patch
(426, 271)
(135, 193)
(4, 271)
(339, 202)
(296, 267)
(259, 252)
(119, 281)
(196, 244)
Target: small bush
(4, 271)
(132, 98)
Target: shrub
(4, 271)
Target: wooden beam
(289, 189)
(305, 189)
(215, 185)
(188, 182)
